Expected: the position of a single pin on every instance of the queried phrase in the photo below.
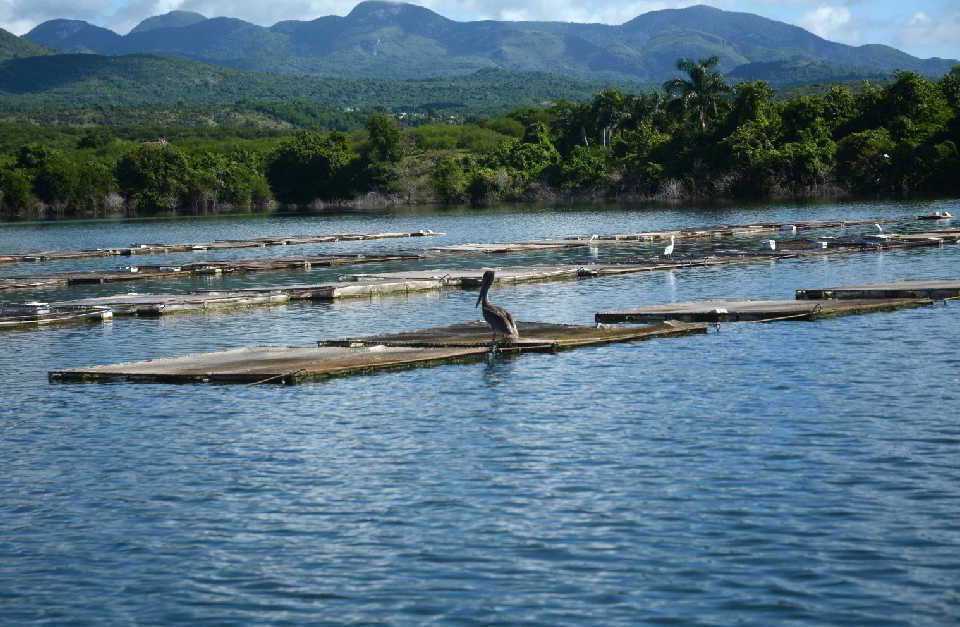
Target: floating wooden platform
(163, 304)
(786, 249)
(728, 230)
(365, 355)
(226, 244)
(944, 235)
(142, 273)
(507, 247)
(16, 315)
(733, 310)
(937, 289)
(472, 277)
(152, 305)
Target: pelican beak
(479, 298)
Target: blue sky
(923, 28)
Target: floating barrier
(224, 244)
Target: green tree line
(697, 137)
(701, 137)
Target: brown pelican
(498, 318)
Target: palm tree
(608, 111)
(701, 93)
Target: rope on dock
(292, 373)
(807, 314)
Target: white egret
(668, 251)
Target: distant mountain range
(403, 41)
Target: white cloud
(831, 22)
(122, 15)
(923, 31)
(19, 16)
(268, 13)
(546, 10)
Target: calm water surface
(802, 473)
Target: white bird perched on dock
(668, 251)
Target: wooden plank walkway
(224, 244)
(18, 315)
(736, 310)
(937, 289)
(365, 355)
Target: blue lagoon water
(802, 473)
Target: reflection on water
(765, 474)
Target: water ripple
(791, 473)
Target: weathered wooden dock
(224, 244)
(937, 289)
(151, 305)
(363, 355)
(18, 315)
(471, 277)
(727, 230)
(943, 235)
(134, 304)
(738, 310)
(152, 272)
(476, 248)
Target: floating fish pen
(782, 250)
(226, 244)
(736, 230)
(141, 273)
(16, 315)
(471, 278)
(452, 344)
(152, 305)
(739, 310)
(936, 289)
(506, 247)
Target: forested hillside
(80, 81)
(13, 47)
